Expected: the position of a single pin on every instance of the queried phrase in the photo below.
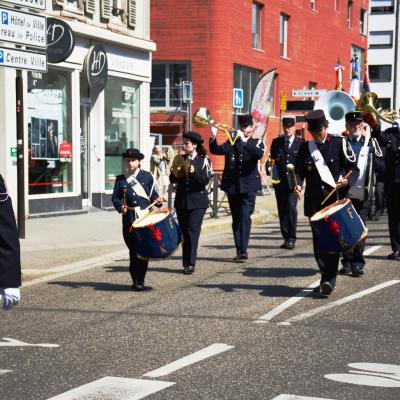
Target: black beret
(316, 120)
(354, 116)
(194, 137)
(245, 120)
(288, 121)
(133, 153)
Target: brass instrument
(368, 104)
(180, 166)
(202, 118)
(275, 178)
(290, 169)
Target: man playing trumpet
(284, 150)
(241, 179)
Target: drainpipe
(396, 47)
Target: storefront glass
(121, 124)
(49, 132)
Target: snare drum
(337, 227)
(157, 235)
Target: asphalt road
(265, 335)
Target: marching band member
(369, 159)
(191, 199)
(240, 179)
(322, 162)
(136, 189)
(10, 261)
(284, 150)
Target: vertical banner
(261, 103)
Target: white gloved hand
(214, 131)
(240, 134)
(11, 297)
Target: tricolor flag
(354, 90)
(339, 68)
(366, 82)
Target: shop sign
(23, 59)
(34, 4)
(23, 28)
(13, 152)
(307, 93)
(96, 65)
(65, 151)
(60, 40)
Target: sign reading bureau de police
(22, 28)
(21, 59)
(34, 4)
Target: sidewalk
(57, 245)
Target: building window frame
(256, 21)
(349, 18)
(380, 73)
(382, 9)
(313, 5)
(363, 21)
(388, 45)
(283, 34)
(336, 5)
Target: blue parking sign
(4, 18)
(1, 56)
(237, 98)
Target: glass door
(85, 138)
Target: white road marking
(374, 367)
(200, 355)
(5, 371)
(17, 343)
(364, 380)
(286, 304)
(114, 388)
(345, 300)
(371, 249)
(294, 397)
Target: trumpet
(202, 118)
(368, 104)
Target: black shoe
(139, 287)
(241, 256)
(345, 270)
(290, 245)
(317, 289)
(357, 271)
(283, 245)
(186, 270)
(326, 289)
(394, 256)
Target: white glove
(11, 297)
(214, 131)
(240, 134)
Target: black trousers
(392, 197)
(354, 257)
(287, 210)
(379, 196)
(190, 223)
(241, 206)
(137, 266)
(327, 263)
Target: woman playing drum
(191, 200)
(134, 190)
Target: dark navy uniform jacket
(10, 264)
(316, 189)
(241, 173)
(132, 199)
(191, 191)
(283, 157)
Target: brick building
(219, 44)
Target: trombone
(202, 118)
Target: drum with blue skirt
(157, 235)
(337, 227)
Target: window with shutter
(90, 6)
(59, 2)
(132, 13)
(105, 9)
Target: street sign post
(22, 59)
(33, 4)
(238, 98)
(307, 93)
(23, 28)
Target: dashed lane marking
(5, 371)
(371, 249)
(17, 343)
(200, 355)
(294, 397)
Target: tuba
(368, 105)
(335, 104)
(180, 167)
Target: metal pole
(19, 88)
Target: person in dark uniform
(284, 150)
(191, 199)
(322, 162)
(10, 259)
(241, 179)
(369, 159)
(135, 189)
(390, 139)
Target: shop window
(50, 132)
(380, 73)
(382, 6)
(121, 124)
(256, 25)
(166, 90)
(381, 40)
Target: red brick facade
(213, 35)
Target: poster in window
(44, 139)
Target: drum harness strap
(323, 170)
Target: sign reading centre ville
(96, 65)
(34, 4)
(23, 28)
(21, 59)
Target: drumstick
(335, 189)
(151, 205)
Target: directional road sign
(23, 28)
(237, 98)
(34, 4)
(21, 59)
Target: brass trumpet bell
(201, 117)
(368, 104)
(180, 167)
